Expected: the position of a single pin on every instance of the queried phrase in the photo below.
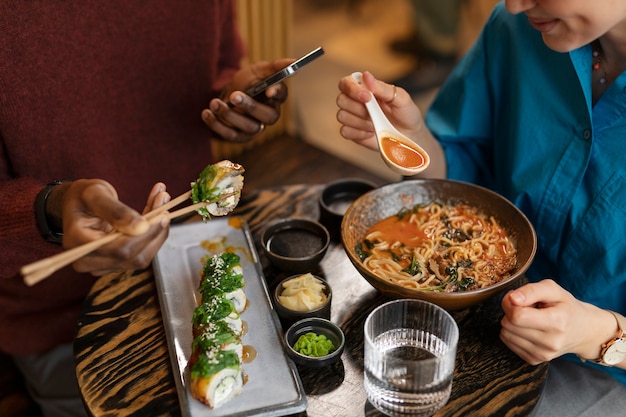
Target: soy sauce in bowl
(295, 245)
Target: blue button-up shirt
(517, 117)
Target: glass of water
(410, 349)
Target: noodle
(439, 248)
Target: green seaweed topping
(215, 334)
(205, 189)
(217, 308)
(213, 361)
(219, 276)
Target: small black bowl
(295, 245)
(318, 326)
(335, 199)
(288, 316)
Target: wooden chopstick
(39, 270)
(170, 204)
(47, 265)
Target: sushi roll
(219, 185)
(216, 376)
(215, 364)
(239, 299)
(222, 275)
(217, 335)
(225, 265)
(215, 309)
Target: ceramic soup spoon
(399, 152)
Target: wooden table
(123, 365)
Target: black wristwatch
(43, 224)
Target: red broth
(402, 154)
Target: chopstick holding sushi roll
(103, 235)
(220, 186)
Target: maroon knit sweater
(97, 89)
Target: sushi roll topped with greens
(215, 364)
(219, 185)
(222, 275)
(216, 309)
(216, 376)
(217, 334)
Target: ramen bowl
(390, 199)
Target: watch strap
(605, 346)
(43, 223)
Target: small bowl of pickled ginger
(302, 296)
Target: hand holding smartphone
(282, 74)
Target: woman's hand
(90, 209)
(246, 116)
(399, 108)
(543, 321)
(395, 102)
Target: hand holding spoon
(399, 152)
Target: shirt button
(587, 134)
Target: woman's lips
(542, 25)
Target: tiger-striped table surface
(123, 365)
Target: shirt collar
(581, 59)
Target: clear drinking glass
(410, 349)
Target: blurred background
(411, 43)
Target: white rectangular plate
(273, 387)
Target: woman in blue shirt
(535, 111)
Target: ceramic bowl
(295, 245)
(289, 316)
(318, 326)
(390, 199)
(335, 199)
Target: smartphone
(284, 73)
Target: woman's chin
(560, 43)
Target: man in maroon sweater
(127, 95)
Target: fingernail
(236, 99)
(518, 297)
(139, 226)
